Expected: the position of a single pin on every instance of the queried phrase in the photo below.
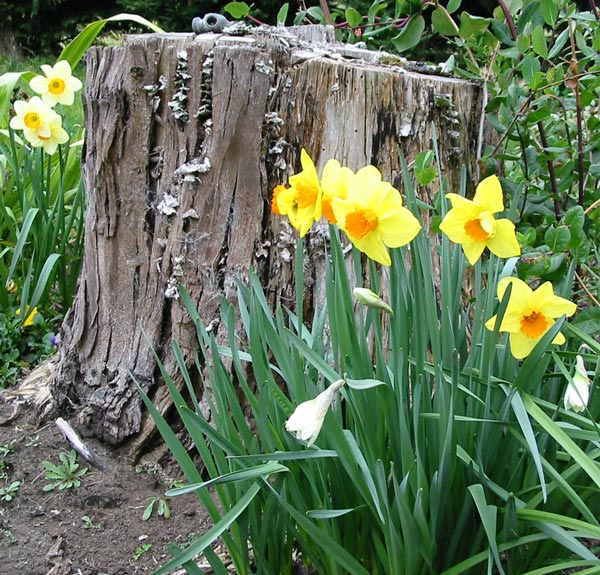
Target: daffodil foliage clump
(413, 425)
(41, 207)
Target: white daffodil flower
(57, 85)
(308, 417)
(578, 389)
(371, 299)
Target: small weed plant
(156, 506)
(66, 475)
(141, 550)
(89, 524)
(9, 492)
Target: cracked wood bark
(185, 138)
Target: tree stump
(186, 136)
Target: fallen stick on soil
(73, 438)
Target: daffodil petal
(488, 195)
(399, 229)
(504, 243)
(472, 249)
(553, 305)
(521, 345)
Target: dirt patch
(94, 529)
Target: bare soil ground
(45, 533)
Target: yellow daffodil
(308, 417)
(30, 315)
(471, 223)
(577, 394)
(530, 314)
(301, 202)
(371, 299)
(372, 215)
(58, 85)
(333, 185)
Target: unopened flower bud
(371, 299)
(578, 389)
(308, 417)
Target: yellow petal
(504, 243)
(467, 208)
(374, 248)
(488, 195)
(398, 229)
(472, 249)
(520, 291)
(552, 305)
(521, 345)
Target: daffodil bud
(578, 389)
(308, 417)
(371, 299)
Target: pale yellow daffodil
(372, 215)
(58, 135)
(41, 125)
(472, 224)
(530, 314)
(577, 394)
(308, 417)
(57, 85)
(33, 117)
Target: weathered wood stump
(186, 136)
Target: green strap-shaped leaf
(254, 472)
(74, 51)
(212, 534)
(561, 437)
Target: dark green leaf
(529, 66)
(472, 25)
(549, 9)
(442, 23)
(410, 35)
(538, 38)
(557, 238)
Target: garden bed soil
(96, 528)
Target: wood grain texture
(185, 139)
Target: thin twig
(590, 208)
(586, 290)
(551, 172)
(326, 12)
(509, 20)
